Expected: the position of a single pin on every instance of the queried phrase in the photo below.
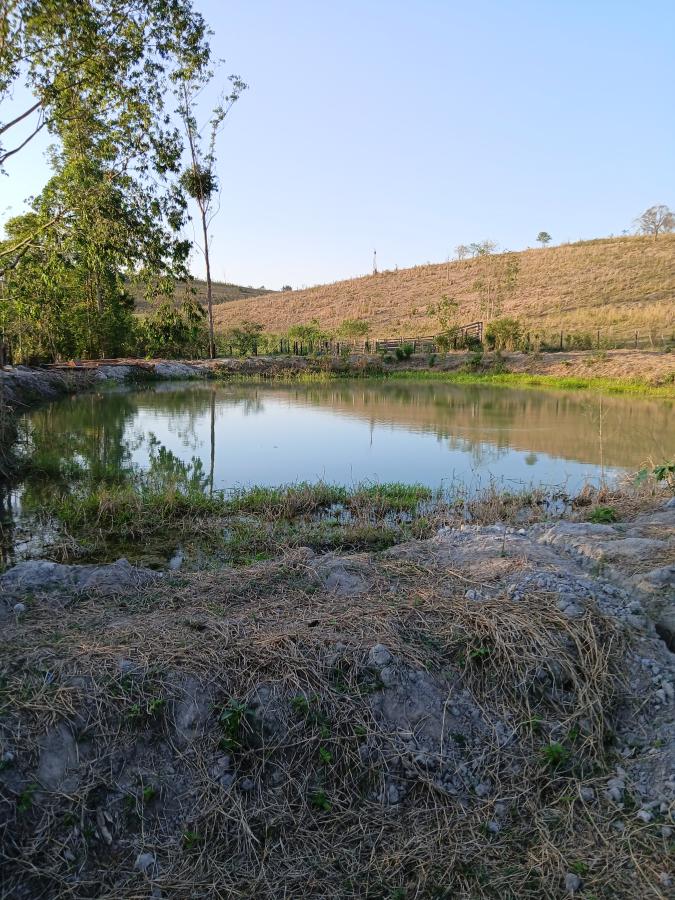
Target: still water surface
(350, 432)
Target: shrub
(404, 352)
(353, 328)
(504, 334)
(244, 339)
(173, 333)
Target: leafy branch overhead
(99, 72)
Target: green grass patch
(394, 496)
(635, 386)
(286, 501)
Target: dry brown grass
(143, 787)
(222, 293)
(618, 284)
(266, 625)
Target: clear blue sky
(412, 127)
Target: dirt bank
(22, 385)
(488, 712)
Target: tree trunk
(209, 291)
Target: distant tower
(374, 262)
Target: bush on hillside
(504, 334)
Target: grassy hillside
(618, 284)
(222, 293)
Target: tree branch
(6, 155)
(8, 125)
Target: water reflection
(352, 431)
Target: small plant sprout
(231, 721)
(555, 754)
(319, 800)
(603, 515)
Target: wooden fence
(453, 339)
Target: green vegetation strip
(633, 386)
(568, 383)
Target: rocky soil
(485, 713)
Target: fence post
(561, 340)
(636, 335)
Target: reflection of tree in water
(85, 433)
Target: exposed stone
(40, 576)
(145, 862)
(572, 883)
(379, 656)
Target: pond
(220, 436)
(349, 432)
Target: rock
(644, 815)
(341, 577)
(494, 827)
(572, 883)
(19, 609)
(192, 710)
(114, 373)
(587, 794)
(247, 784)
(58, 761)
(179, 370)
(393, 794)
(471, 594)
(379, 656)
(40, 576)
(144, 862)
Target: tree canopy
(99, 72)
(656, 220)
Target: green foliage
(445, 312)
(404, 352)
(544, 238)
(25, 799)
(244, 339)
(474, 361)
(392, 496)
(191, 839)
(231, 720)
(554, 754)
(663, 472)
(199, 181)
(174, 333)
(602, 515)
(319, 800)
(287, 500)
(353, 328)
(310, 334)
(110, 215)
(504, 334)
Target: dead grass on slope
(618, 285)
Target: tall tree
(497, 280)
(200, 180)
(114, 53)
(544, 238)
(99, 72)
(656, 220)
